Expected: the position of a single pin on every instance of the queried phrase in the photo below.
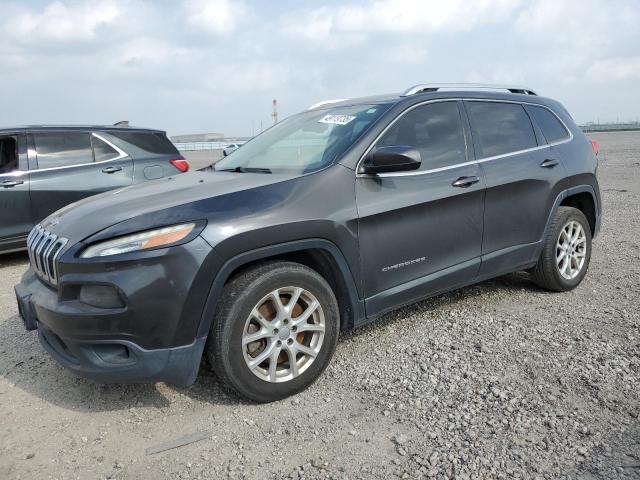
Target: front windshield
(303, 143)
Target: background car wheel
(566, 253)
(275, 330)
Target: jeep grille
(44, 248)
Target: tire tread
(236, 291)
(544, 274)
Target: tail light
(595, 146)
(181, 164)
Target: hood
(91, 215)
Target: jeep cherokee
(322, 223)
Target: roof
(427, 91)
(24, 128)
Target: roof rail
(326, 102)
(436, 87)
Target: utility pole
(275, 111)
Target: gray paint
(41, 192)
(390, 240)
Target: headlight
(139, 241)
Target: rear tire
(566, 252)
(260, 344)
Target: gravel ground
(498, 380)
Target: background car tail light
(181, 164)
(595, 146)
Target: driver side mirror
(394, 158)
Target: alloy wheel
(283, 335)
(571, 250)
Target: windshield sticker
(337, 119)
(371, 110)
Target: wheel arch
(319, 254)
(585, 202)
(566, 198)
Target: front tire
(275, 330)
(566, 253)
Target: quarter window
(63, 149)
(153, 142)
(102, 151)
(551, 127)
(435, 130)
(500, 128)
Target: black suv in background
(44, 168)
(325, 221)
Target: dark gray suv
(322, 223)
(44, 168)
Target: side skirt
(502, 262)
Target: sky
(215, 65)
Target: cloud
(60, 22)
(147, 51)
(588, 26)
(615, 69)
(216, 65)
(216, 17)
(398, 17)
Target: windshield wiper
(245, 170)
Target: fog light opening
(113, 353)
(100, 296)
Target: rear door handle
(464, 182)
(549, 163)
(111, 169)
(11, 183)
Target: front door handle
(464, 182)
(111, 169)
(549, 163)
(11, 183)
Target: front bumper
(151, 337)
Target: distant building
(609, 127)
(198, 137)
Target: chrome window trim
(477, 161)
(14, 174)
(121, 154)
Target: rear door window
(435, 130)
(8, 154)
(102, 151)
(551, 127)
(500, 128)
(63, 149)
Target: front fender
(356, 305)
